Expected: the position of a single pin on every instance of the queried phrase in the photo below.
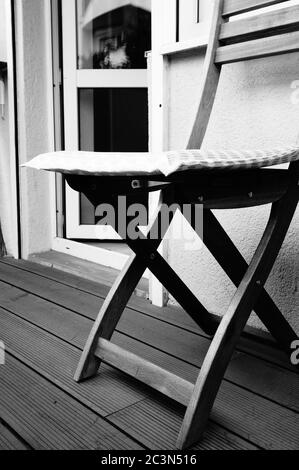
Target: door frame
(60, 243)
(12, 129)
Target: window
(113, 35)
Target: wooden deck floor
(45, 317)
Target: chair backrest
(262, 35)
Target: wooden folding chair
(226, 182)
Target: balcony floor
(45, 317)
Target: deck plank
(261, 421)
(49, 419)
(86, 269)
(258, 407)
(57, 360)
(263, 378)
(141, 419)
(159, 424)
(239, 413)
(8, 440)
(54, 359)
(174, 315)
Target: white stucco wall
(34, 121)
(253, 109)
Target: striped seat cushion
(166, 163)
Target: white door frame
(15, 245)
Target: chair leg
(234, 321)
(109, 316)
(230, 259)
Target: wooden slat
(55, 360)
(147, 372)
(268, 23)
(210, 78)
(258, 48)
(236, 7)
(48, 418)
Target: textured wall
(33, 122)
(253, 109)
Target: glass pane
(112, 120)
(113, 34)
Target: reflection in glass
(113, 34)
(112, 120)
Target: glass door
(105, 91)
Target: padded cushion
(166, 163)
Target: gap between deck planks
(183, 366)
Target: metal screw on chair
(136, 184)
(250, 195)
(259, 283)
(152, 256)
(200, 198)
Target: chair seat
(166, 163)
